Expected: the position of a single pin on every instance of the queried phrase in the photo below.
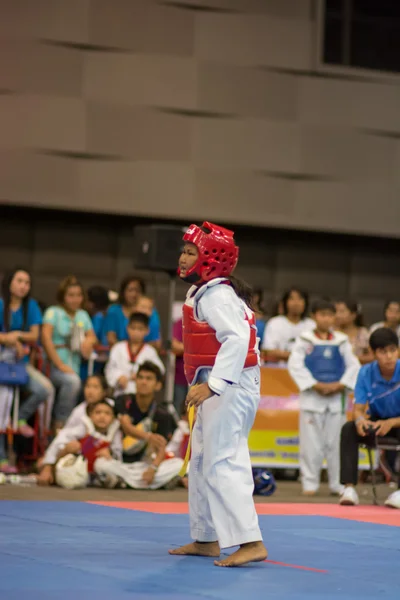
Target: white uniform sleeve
(118, 364)
(75, 417)
(61, 440)
(116, 446)
(352, 366)
(152, 355)
(272, 338)
(225, 313)
(297, 368)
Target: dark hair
(242, 289)
(124, 284)
(138, 317)
(98, 295)
(320, 305)
(301, 293)
(69, 282)
(388, 303)
(106, 401)
(260, 305)
(6, 294)
(354, 308)
(150, 367)
(101, 379)
(382, 338)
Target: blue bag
(13, 374)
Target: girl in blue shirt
(20, 321)
(67, 337)
(117, 318)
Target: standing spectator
(259, 312)
(117, 318)
(349, 320)
(282, 331)
(180, 386)
(20, 321)
(391, 318)
(67, 337)
(322, 365)
(97, 305)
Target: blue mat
(74, 551)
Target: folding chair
(386, 443)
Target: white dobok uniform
(119, 364)
(221, 481)
(321, 417)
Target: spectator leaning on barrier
(391, 320)
(349, 320)
(376, 411)
(67, 336)
(20, 321)
(282, 331)
(117, 318)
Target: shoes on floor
(349, 497)
(393, 500)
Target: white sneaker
(393, 500)
(349, 497)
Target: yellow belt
(182, 472)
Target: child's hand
(148, 476)
(123, 382)
(104, 453)
(73, 447)
(197, 394)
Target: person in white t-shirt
(127, 356)
(391, 318)
(282, 331)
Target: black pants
(349, 442)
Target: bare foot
(308, 493)
(198, 549)
(252, 552)
(46, 476)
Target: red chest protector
(201, 345)
(90, 445)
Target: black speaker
(157, 247)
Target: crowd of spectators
(90, 346)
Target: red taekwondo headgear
(218, 253)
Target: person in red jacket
(222, 369)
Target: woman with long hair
(67, 337)
(20, 321)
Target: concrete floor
(286, 492)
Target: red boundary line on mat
(282, 564)
(367, 514)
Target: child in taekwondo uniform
(221, 363)
(323, 366)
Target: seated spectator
(376, 411)
(20, 321)
(180, 385)
(147, 428)
(67, 337)
(282, 331)
(391, 318)
(349, 320)
(97, 305)
(95, 439)
(117, 318)
(323, 366)
(125, 357)
(95, 389)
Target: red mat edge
(367, 514)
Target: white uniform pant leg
(332, 429)
(201, 524)
(227, 420)
(132, 473)
(311, 448)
